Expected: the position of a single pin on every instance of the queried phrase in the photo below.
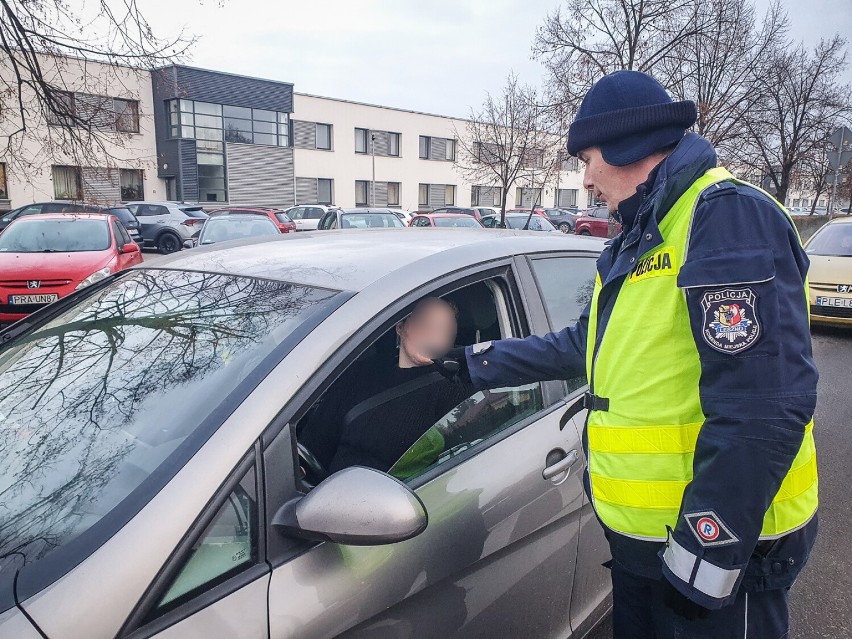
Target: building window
(361, 136)
(423, 194)
(393, 144)
(451, 151)
(393, 193)
(361, 189)
(210, 124)
(566, 197)
(425, 146)
(324, 195)
(126, 115)
(527, 197)
(449, 194)
(67, 183)
(568, 162)
(4, 189)
(65, 105)
(324, 136)
(131, 184)
(590, 197)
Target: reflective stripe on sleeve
(705, 577)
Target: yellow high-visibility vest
(641, 449)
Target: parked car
(458, 210)
(128, 221)
(520, 222)
(563, 219)
(307, 216)
(277, 216)
(594, 222)
(364, 218)
(167, 225)
(445, 220)
(56, 207)
(405, 216)
(234, 226)
(174, 494)
(830, 273)
(46, 257)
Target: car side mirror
(356, 506)
(188, 244)
(131, 247)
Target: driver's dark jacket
(766, 394)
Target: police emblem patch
(730, 319)
(709, 529)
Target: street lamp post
(373, 182)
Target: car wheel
(565, 227)
(584, 232)
(168, 243)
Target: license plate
(44, 298)
(834, 301)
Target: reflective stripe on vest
(647, 365)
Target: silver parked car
(307, 216)
(167, 225)
(236, 226)
(154, 484)
(360, 218)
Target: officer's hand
(682, 606)
(453, 366)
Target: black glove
(681, 605)
(453, 366)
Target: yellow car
(830, 274)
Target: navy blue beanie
(629, 116)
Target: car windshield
(111, 392)
(123, 214)
(194, 211)
(536, 222)
(370, 221)
(226, 227)
(457, 222)
(833, 240)
(55, 236)
(283, 218)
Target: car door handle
(563, 465)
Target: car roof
(348, 260)
(464, 215)
(369, 210)
(846, 219)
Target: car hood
(52, 266)
(826, 269)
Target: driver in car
(379, 407)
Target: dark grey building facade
(223, 137)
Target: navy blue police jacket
(756, 403)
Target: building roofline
(228, 73)
(380, 106)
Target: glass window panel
(172, 106)
(450, 194)
(131, 184)
(208, 108)
(186, 106)
(208, 134)
(266, 138)
(265, 127)
(212, 196)
(324, 191)
(360, 192)
(425, 143)
(208, 145)
(393, 193)
(236, 112)
(213, 121)
(284, 118)
(423, 195)
(393, 144)
(210, 158)
(174, 132)
(187, 118)
(211, 170)
(361, 140)
(187, 132)
(323, 136)
(236, 135)
(211, 183)
(283, 140)
(266, 116)
(451, 150)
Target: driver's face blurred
(429, 332)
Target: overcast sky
(438, 56)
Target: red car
(281, 219)
(445, 220)
(595, 222)
(45, 257)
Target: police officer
(702, 386)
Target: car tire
(584, 232)
(565, 227)
(168, 243)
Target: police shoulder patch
(709, 529)
(730, 322)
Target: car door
(296, 214)
(152, 217)
(565, 283)
(313, 214)
(498, 555)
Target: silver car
(167, 225)
(153, 483)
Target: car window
(30, 210)
(296, 213)
(421, 221)
(122, 213)
(121, 236)
(489, 222)
(146, 210)
(282, 217)
(228, 545)
(313, 213)
(325, 222)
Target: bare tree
(506, 143)
(586, 39)
(801, 98)
(717, 64)
(62, 65)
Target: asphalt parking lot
(820, 601)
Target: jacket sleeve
(744, 282)
(517, 361)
